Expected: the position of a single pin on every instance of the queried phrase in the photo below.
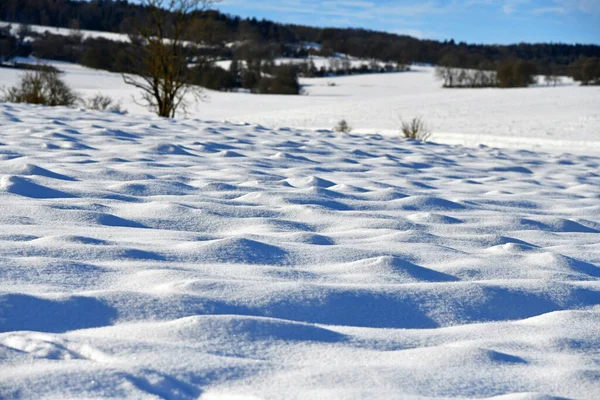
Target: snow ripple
(186, 259)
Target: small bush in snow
(342, 127)
(41, 86)
(103, 103)
(415, 129)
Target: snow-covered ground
(564, 118)
(320, 62)
(149, 258)
(41, 29)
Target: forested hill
(217, 28)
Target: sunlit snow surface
(562, 118)
(148, 258)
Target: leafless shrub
(101, 102)
(342, 127)
(415, 129)
(41, 86)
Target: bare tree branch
(159, 63)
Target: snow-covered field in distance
(318, 61)
(41, 29)
(564, 118)
(149, 258)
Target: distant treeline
(266, 39)
(100, 53)
(515, 73)
(257, 75)
(508, 74)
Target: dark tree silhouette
(159, 55)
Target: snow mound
(239, 251)
(429, 203)
(310, 181)
(31, 169)
(433, 218)
(172, 149)
(397, 270)
(27, 188)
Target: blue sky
(472, 21)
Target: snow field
(552, 119)
(149, 258)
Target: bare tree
(552, 76)
(446, 70)
(158, 60)
(552, 79)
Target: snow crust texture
(148, 258)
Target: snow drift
(139, 258)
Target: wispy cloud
(387, 10)
(420, 18)
(549, 10)
(344, 8)
(349, 4)
(580, 5)
(568, 6)
(511, 6)
(416, 33)
(478, 2)
(538, 7)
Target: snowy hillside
(149, 258)
(41, 29)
